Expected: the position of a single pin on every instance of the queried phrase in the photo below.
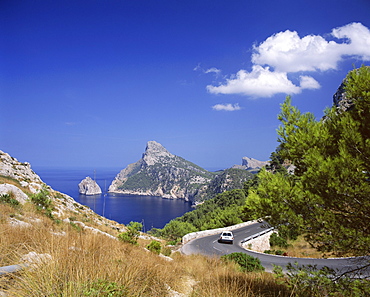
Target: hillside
(160, 173)
(66, 249)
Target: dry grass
(300, 248)
(87, 264)
(83, 263)
(215, 278)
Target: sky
(89, 83)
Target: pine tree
(328, 196)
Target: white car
(226, 236)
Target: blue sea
(151, 211)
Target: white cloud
(308, 82)
(210, 70)
(260, 82)
(287, 52)
(213, 70)
(226, 107)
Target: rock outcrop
(340, 99)
(22, 172)
(251, 164)
(89, 187)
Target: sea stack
(89, 187)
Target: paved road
(209, 246)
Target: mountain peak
(251, 163)
(155, 153)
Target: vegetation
(43, 202)
(226, 180)
(245, 262)
(327, 197)
(132, 233)
(225, 209)
(9, 199)
(310, 281)
(84, 263)
(155, 247)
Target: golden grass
(300, 248)
(88, 264)
(216, 278)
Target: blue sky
(88, 83)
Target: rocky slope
(89, 187)
(21, 183)
(160, 173)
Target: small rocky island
(89, 187)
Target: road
(209, 246)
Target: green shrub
(132, 233)
(9, 199)
(276, 240)
(154, 247)
(43, 202)
(246, 263)
(274, 252)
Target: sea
(151, 211)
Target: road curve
(208, 245)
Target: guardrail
(257, 234)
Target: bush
(247, 263)
(276, 240)
(9, 199)
(132, 233)
(275, 252)
(311, 281)
(154, 247)
(43, 202)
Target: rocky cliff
(89, 187)
(160, 173)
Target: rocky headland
(160, 173)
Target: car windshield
(227, 234)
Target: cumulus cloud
(226, 107)
(308, 82)
(261, 82)
(286, 52)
